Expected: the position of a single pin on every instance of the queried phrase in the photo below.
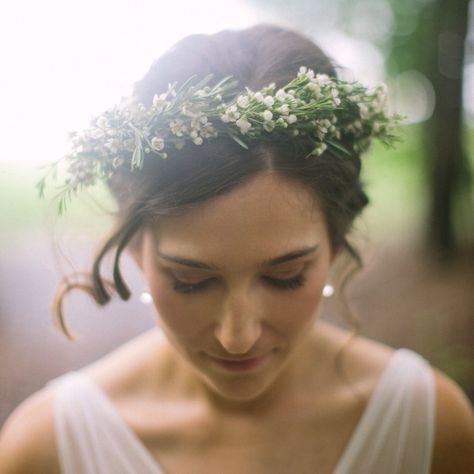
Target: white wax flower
(232, 113)
(269, 126)
(323, 79)
(243, 101)
(267, 115)
(284, 109)
(243, 124)
(159, 100)
(157, 143)
(177, 127)
(269, 101)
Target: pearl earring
(328, 290)
(145, 297)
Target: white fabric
(394, 434)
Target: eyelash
(289, 284)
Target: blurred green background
(416, 238)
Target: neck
(306, 373)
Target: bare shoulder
(363, 359)
(121, 372)
(27, 439)
(454, 431)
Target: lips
(236, 359)
(241, 364)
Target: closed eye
(284, 284)
(289, 283)
(182, 287)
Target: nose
(240, 326)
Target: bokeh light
(65, 61)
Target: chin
(240, 387)
(239, 391)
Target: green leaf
(338, 147)
(61, 207)
(137, 157)
(239, 141)
(40, 185)
(203, 82)
(228, 81)
(186, 84)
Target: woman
(236, 235)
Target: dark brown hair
(255, 57)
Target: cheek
(292, 313)
(178, 316)
(297, 311)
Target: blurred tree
(426, 36)
(449, 170)
(430, 37)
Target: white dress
(393, 436)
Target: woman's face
(240, 277)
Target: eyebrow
(293, 255)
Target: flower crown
(326, 112)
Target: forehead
(260, 218)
